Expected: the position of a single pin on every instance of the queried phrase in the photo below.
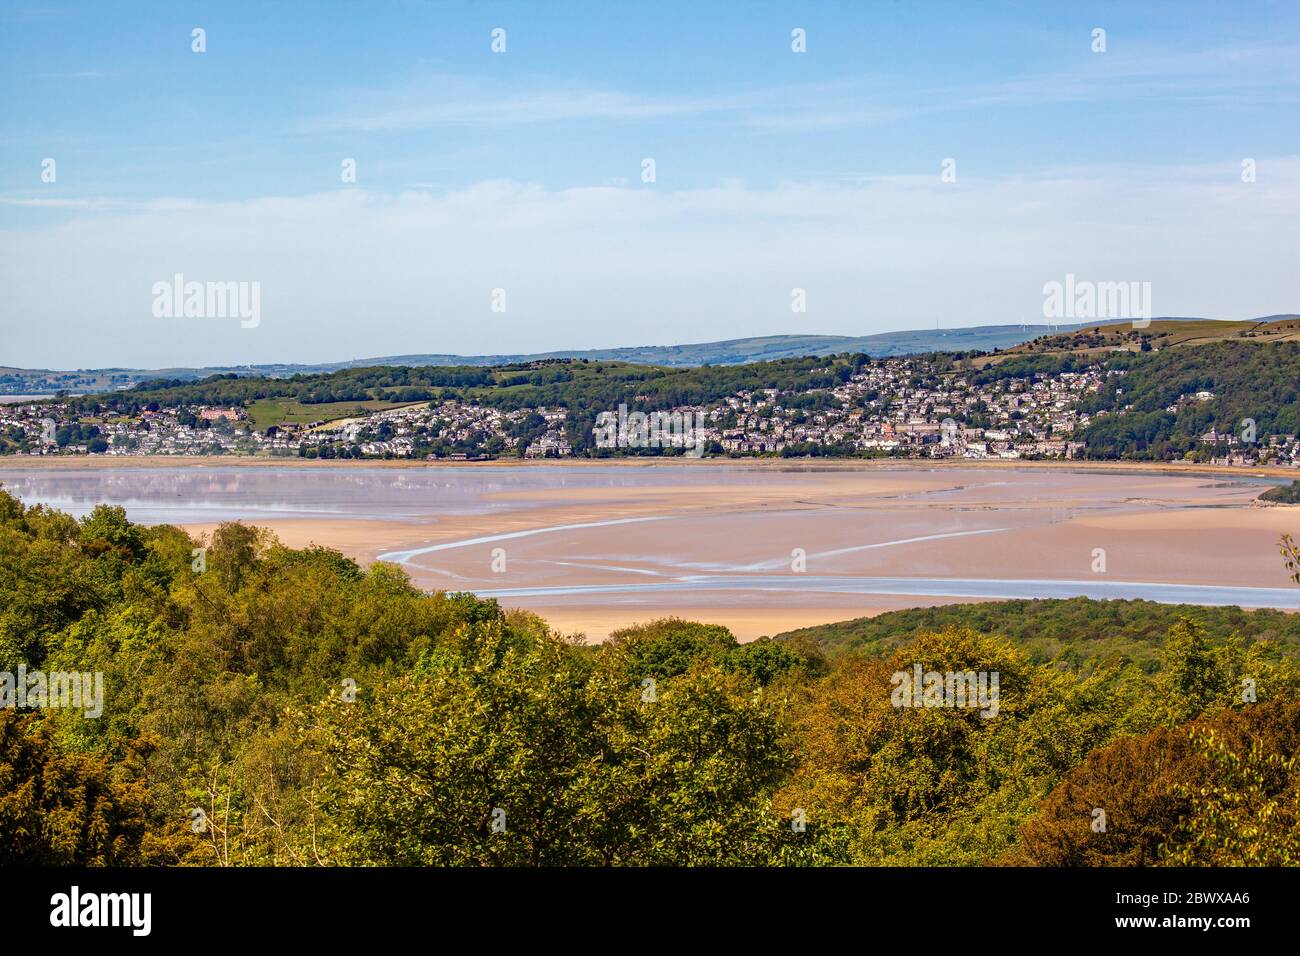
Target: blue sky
(522, 170)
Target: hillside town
(887, 408)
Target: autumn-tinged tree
(1220, 791)
(1118, 807)
(941, 785)
(1245, 809)
(60, 808)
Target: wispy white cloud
(64, 203)
(450, 100)
(1260, 74)
(413, 270)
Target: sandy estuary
(761, 549)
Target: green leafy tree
(504, 749)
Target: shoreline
(778, 464)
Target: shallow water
(935, 587)
(197, 494)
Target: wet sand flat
(760, 549)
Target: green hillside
(1078, 631)
(1248, 381)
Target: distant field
(271, 411)
(1098, 340)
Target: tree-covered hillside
(578, 385)
(1079, 631)
(1249, 381)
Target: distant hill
(985, 338)
(766, 348)
(1159, 334)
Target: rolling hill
(1160, 334)
(19, 381)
